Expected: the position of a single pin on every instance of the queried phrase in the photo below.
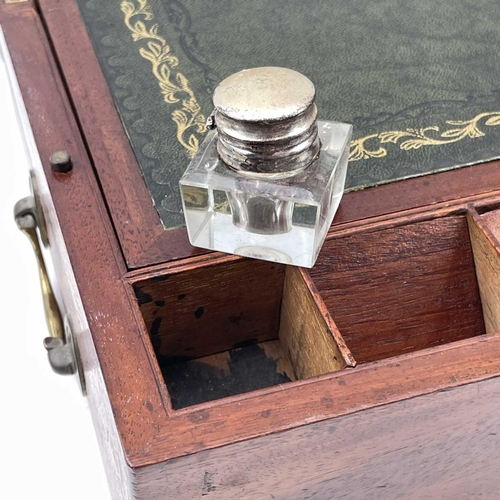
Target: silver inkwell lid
(266, 121)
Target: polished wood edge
(141, 234)
(174, 267)
(443, 209)
(93, 250)
(425, 192)
(143, 239)
(328, 396)
(153, 361)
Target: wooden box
(376, 374)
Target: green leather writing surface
(420, 80)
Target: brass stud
(60, 161)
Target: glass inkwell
(268, 179)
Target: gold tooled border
(173, 84)
(191, 122)
(416, 138)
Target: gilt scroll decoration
(174, 86)
(413, 138)
(190, 121)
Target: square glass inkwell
(268, 179)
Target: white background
(48, 448)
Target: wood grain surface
(212, 308)
(305, 334)
(401, 289)
(440, 446)
(487, 259)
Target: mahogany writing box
(376, 374)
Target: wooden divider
(486, 249)
(307, 335)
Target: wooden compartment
(235, 326)
(231, 326)
(404, 288)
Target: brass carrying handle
(61, 346)
(25, 216)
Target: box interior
(402, 289)
(233, 327)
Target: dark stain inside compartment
(142, 296)
(234, 327)
(226, 374)
(211, 309)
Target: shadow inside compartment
(236, 371)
